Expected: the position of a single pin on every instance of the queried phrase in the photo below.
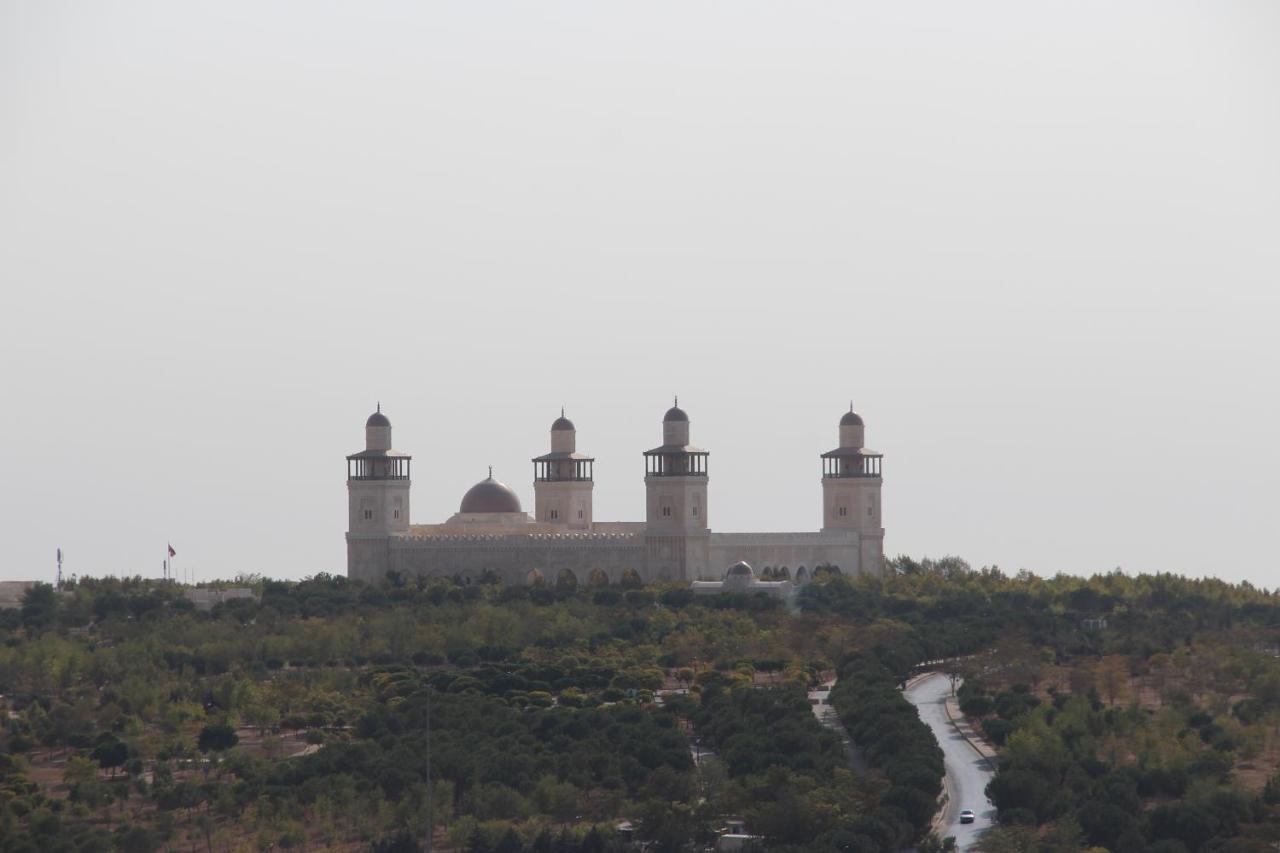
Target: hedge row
(895, 741)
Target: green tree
(217, 737)
(137, 839)
(39, 607)
(478, 842)
(78, 770)
(110, 752)
(509, 843)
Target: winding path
(967, 772)
(819, 699)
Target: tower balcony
(378, 465)
(676, 461)
(851, 462)
(563, 468)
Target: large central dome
(490, 496)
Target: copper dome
(490, 496)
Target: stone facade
(492, 536)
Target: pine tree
(592, 842)
(1271, 793)
(478, 842)
(543, 843)
(510, 843)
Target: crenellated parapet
(517, 539)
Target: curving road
(967, 772)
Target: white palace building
(491, 535)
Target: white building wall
(513, 557)
(859, 497)
(793, 550)
(676, 504)
(368, 557)
(376, 511)
(566, 503)
(378, 506)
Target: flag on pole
(172, 553)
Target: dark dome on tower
(377, 419)
(675, 413)
(851, 418)
(490, 496)
(561, 424)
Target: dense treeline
(134, 709)
(299, 717)
(1051, 771)
(894, 740)
(1125, 707)
(753, 730)
(785, 774)
(490, 761)
(966, 609)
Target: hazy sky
(1037, 244)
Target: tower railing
(675, 464)
(378, 469)
(858, 466)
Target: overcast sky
(1036, 244)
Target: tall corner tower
(563, 480)
(377, 498)
(676, 502)
(851, 484)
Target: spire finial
(562, 410)
(490, 472)
(379, 407)
(851, 405)
(677, 401)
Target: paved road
(967, 773)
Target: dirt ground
(47, 766)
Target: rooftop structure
(741, 578)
